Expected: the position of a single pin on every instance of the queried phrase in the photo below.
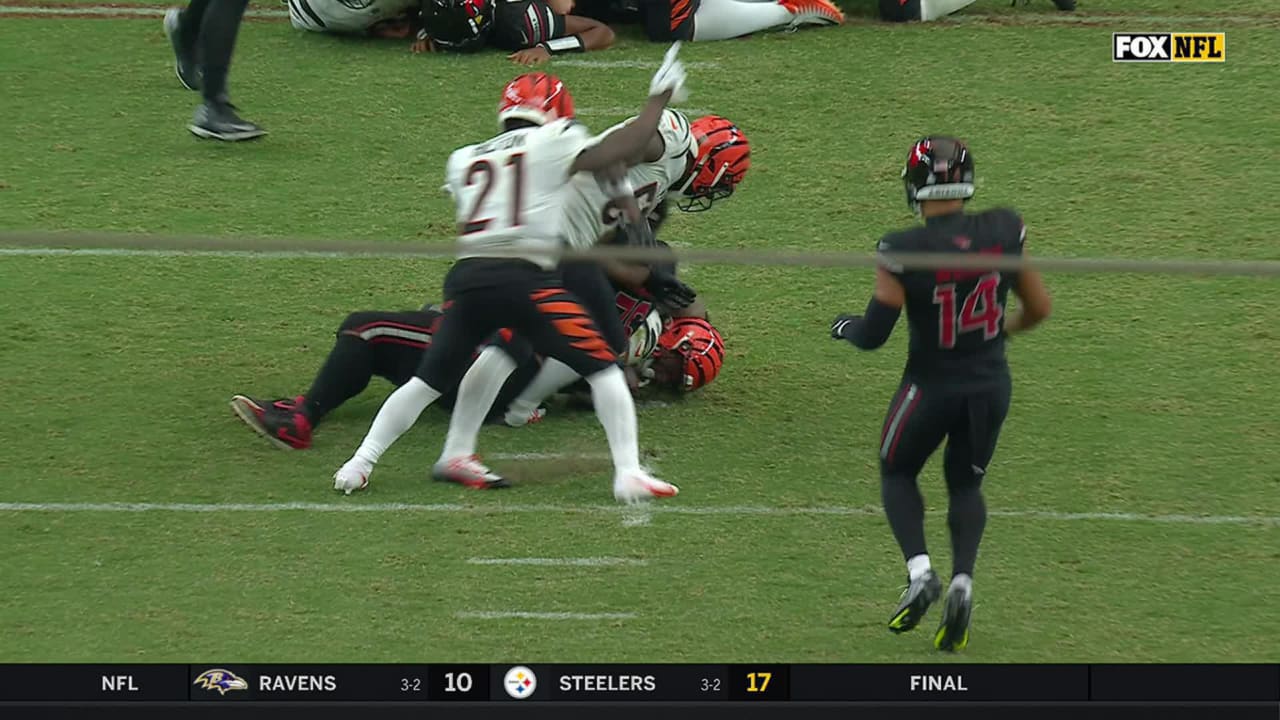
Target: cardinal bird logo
(220, 680)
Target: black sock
(967, 518)
(345, 374)
(217, 41)
(192, 18)
(904, 507)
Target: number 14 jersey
(957, 315)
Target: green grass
(1148, 395)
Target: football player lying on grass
(703, 20)
(670, 350)
(530, 30)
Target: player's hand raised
(670, 76)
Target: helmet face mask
(456, 25)
(721, 162)
(937, 168)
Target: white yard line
(617, 64)
(672, 508)
(561, 562)
(524, 615)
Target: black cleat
(279, 421)
(219, 121)
(184, 57)
(953, 633)
(920, 594)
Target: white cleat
(514, 420)
(813, 12)
(640, 486)
(351, 476)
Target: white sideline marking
(729, 510)
(646, 64)
(524, 615)
(560, 562)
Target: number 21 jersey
(510, 191)
(957, 315)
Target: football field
(1135, 495)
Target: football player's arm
(873, 328)
(1034, 303)
(630, 140)
(580, 35)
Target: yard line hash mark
(614, 510)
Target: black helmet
(938, 168)
(456, 25)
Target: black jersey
(520, 24)
(957, 316)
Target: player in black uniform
(203, 37)
(530, 30)
(956, 385)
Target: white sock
(962, 583)
(724, 19)
(479, 388)
(934, 9)
(617, 413)
(917, 566)
(553, 376)
(397, 415)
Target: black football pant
(389, 345)
(900, 10)
(211, 27)
(921, 416)
(486, 296)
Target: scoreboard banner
(532, 683)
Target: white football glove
(670, 77)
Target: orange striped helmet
(699, 347)
(536, 97)
(724, 155)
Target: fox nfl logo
(1169, 47)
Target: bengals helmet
(535, 97)
(938, 168)
(456, 25)
(689, 354)
(724, 155)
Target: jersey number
(482, 172)
(980, 311)
(634, 311)
(646, 198)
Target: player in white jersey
(702, 162)
(510, 192)
(350, 17)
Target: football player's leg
(442, 366)
(387, 344)
(183, 28)
(925, 10)
(724, 19)
(216, 118)
(970, 447)
(561, 328)
(589, 283)
(912, 430)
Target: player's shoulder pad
(1010, 223)
(892, 242)
(676, 133)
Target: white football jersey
(345, 16)
(590, 212)
(511, 191)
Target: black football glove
(666, 288)
(840, 324)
